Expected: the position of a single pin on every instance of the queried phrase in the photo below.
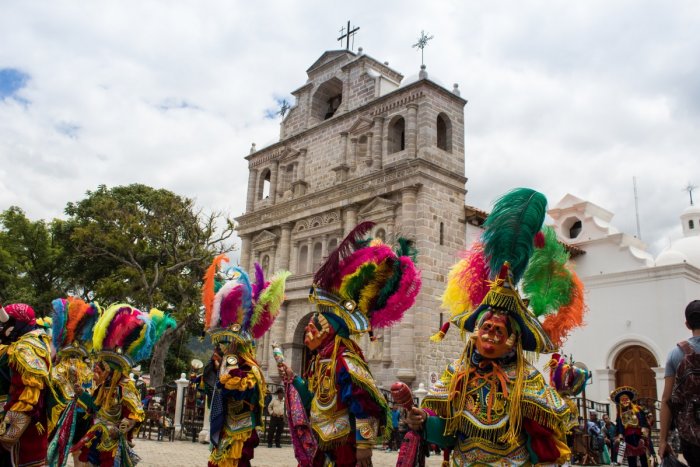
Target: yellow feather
(456, 296)
(102, 325)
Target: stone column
(282, 181)
(369, 157)
(605, 379)
(411, 130)
(344, 148)
(386, 345)
(294, 260)
(310, 255)
(324, 246)
(250, 200)
(660, 375)
(273, 181)
(283, 256)
(302, 165)
(408, 211)
(345, 105)
(181, 383)
(353, 154)
(273, 260)
(377, 130)
(350, 219)
(244, 258)
(390, 230)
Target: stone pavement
(187, 454)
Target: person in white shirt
(276, 410)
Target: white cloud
(562, 97)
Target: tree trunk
(160, 350)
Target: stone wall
(327, 176)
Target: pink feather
(263, 324)
(364, 255)
(230, 306)
(125, 322)
(402, 299)
(475, 275)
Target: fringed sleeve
(132, 408)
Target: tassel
(39, 428)
(440, 335)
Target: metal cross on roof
(347, 35)
(422, 43)
(689, 188)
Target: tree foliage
(149, 247)
(136, 244)
(31, 258)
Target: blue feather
(143, 351)
(59, 317)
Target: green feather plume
(357, 281)
(510, 229)
(547, 280)
(271, 297)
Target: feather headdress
(513, 247)
(366, 283)
(235, 307)
(124, 335)
(73, 321)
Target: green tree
(31, 259)
(149, 247)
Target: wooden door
(634, 368)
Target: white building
(635, 303)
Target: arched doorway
(304, 355)
(633, 367)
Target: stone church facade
(358, 145)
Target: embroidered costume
(238, 311)
(25, 365)
(122, 337)
(630, 421)
(362, 285)
(569, 381)
(492, 406)
(71, 377)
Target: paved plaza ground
(186, 454)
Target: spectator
(611, 437)
(684, 355)
(276, 411)
(596, 430)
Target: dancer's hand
(415, 418)
(285, 372)
(364, 457)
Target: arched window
(327, 99)
(318, 248)
(691, 224)
(397, 135)
(444, 132)
(303, 255)
(264, 184)
(442, 233)
(332, 243)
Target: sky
(563, 97)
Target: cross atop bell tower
(347, 34)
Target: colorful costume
(363, 285)
(630, 421)
(25, 365)
(122, 337)
(569, 381)
(72, 323)
(493, 407)
(238, 311)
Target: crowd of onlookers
(598, 440)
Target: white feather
(218, 298)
